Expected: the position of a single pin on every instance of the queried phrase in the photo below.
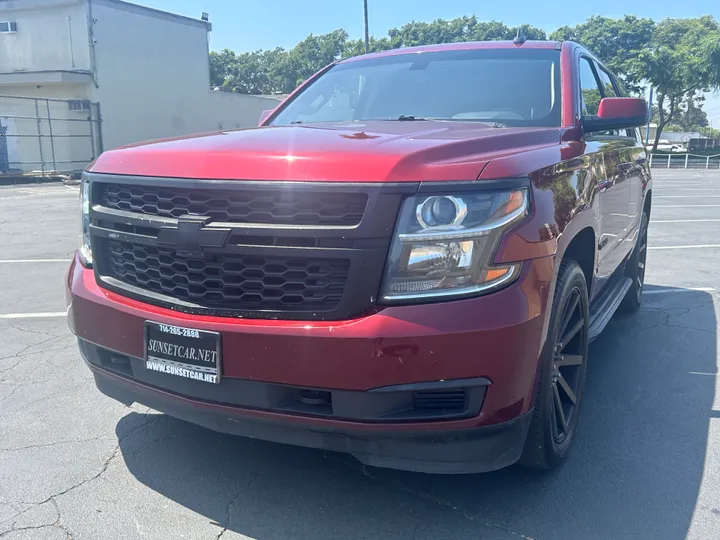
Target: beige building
(147, 69)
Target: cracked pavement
(77, 465)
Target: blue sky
(247, 25)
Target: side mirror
(617, 113)
(264, 115)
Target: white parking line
(684, 220)
(20, 261)
(50, 314)
(27, 197)
(696, 246)
(689, 289)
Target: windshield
(507, 86)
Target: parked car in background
(403, 262)
(664, 146)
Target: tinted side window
(607, 83)
(589, 88)
(610, 89)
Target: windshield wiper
(409, 117)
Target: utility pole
(650, 107)
(367, 37)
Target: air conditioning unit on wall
(78, 105)
(8, 27)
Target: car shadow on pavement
(635, 470)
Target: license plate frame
(173, 355)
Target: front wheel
(562, 373)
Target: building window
(8, 27)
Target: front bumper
(496, 337)
(457, 451)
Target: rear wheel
(635, 269)
(562, 374)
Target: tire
(635, 269)
(562, 373)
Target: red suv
(405, 261)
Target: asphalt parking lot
(646, 464)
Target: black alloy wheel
(561, 372)
(569, 359)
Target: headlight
(85, 251)
(444, 244)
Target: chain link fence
(45, 137)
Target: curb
(29, 180)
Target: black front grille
(293, 250)
(228, 281)
(273, 206)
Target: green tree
(247, 74)
(356, 47)
(220, 63)
(617, 42)
(682, 60)
(311, 55)
(692, 116)
(456, 30)
(417, 33)
(530, 32)
(710, 132)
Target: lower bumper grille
(229, 281)
(439, 399)
(366, 406)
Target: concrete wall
(230, 111)
(51, 35)
(151, 70)
(153, 77)
(53, 91)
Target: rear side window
(589, 88)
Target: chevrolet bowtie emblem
(191, 235)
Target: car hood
(378, 151)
